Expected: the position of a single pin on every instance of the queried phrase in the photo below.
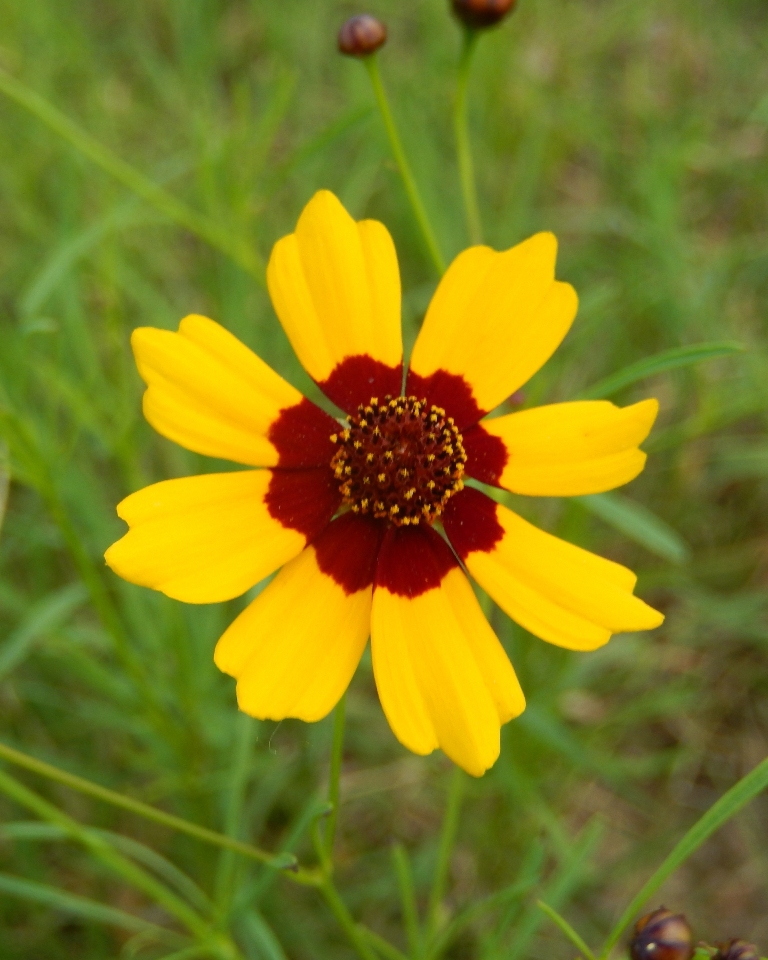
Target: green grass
(638, 132)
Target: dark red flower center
(400, 460)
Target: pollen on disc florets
(400, 460)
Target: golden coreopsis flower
(349, 511)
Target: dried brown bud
(362, 35)
(662, 935)
(737, 950)
(478, 14)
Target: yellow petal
(443, 678)
(559, 592)
(564, 449)
(208, 392)
(335, 285)
(210, 538)
(495, 319)
(295, 648)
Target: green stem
(461, 132)
(238, 785)
(209, 231)
(384, 947)
(566, 928)
(108, 855)
(337, 751)
(279, 862)
(372, 64)
(346, 921)
(447, 838)
(719, 813)
(408, 900)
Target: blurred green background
(636, 130)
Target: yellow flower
(348, 510)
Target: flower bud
(662, 935)
(362, 35)
(737, 950)
(479, 14)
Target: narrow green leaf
(79, 906)
(238, 779)
(66, 255)
(281, 861)
(33, 830)
(566, 928)
(408, 903)
(262, 936)
(5, 479)
(51, 612)
(638, 523)
(515, 891)
(560, 887)
(448, 832)
(383, 947)
(659, 363)
(720, 813)
(242, 253)
(101, 850)
(189, 953)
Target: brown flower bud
(479, 14)
(362, 35)
(737, 950)
(662, 935)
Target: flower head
(737, 950)
(662, 935)
(368, 520)
(362, 35)
(481, 14)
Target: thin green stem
(719, 813)
(447, 838)
(346, 921)
(467, 916)
(372, 64)
(461, 133)
(337, 751)
(239, 251)
(566, 928)
(103, 851)
(408, 900)
(238, 784)
(384, 947)
(283, 861)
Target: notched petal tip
(645, 413)
(556, 590)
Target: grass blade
(263, 936)
(659, 363)
(408, 902)
(720, 813)
(281, 861)
(189, 953)
(566, 928)
(80, 906)
(5, 477)
(447, 838)
(45, 616)
(560, 887)
(639, 524)
(467, 916)
(239, 775)
(34, 830)
(175, 210)
(99, 848)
